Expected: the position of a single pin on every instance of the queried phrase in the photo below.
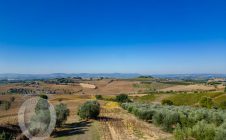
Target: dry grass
(189, 88)
(84, 85)
(10, 116)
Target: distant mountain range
(190, 76)
(14, 76)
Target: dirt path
(76, 129)
(117, 124)
(79, 131)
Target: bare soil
(189, 87)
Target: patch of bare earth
(117, 87)
(84, 85)
(117, 124)
(75, 129)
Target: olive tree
(167, 102)
(89, 110)
(43, 96)
(40, 120)
(122, 98)
(62, 112)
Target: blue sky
(129, 36)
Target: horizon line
(117, 73)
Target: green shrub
(89, 110)
(170, 119)
(225, 90)
(62, 112)
(6, 136)
(203, 131)
(206, 102)
(223, 105)
(99, 97)
(217, 119)
(167, 102)
(146, 114)
(221, 132)
(181, 133)
(158, 118)
(122, 98)
(41, 117)
(186, 122)
(42, 104)
(43, 96)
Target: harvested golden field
(189, 87)
(117, 87)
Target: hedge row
(185, 122)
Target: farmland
(115, 121)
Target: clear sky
(104, 36)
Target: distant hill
(190, 76)
(13, 76)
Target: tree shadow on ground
(73, 129)
(108, 119)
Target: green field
(191, 98)
(145, 99)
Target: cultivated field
(113, 122)
(189, 88)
